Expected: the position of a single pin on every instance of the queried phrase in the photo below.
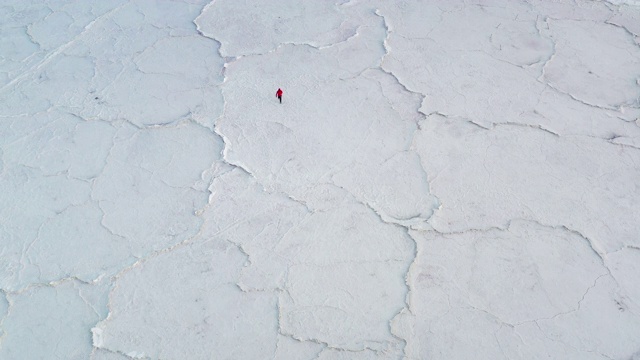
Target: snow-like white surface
(443, 180)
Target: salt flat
(443, 180)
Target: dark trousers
(280, 98)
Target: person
(279, 95)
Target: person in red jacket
(279, 95)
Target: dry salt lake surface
(443, 180)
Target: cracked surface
(447, 180)
(556, 283)
(513, 164)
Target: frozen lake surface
(443, 179)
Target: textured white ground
(444, 179)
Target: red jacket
(279, 93)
